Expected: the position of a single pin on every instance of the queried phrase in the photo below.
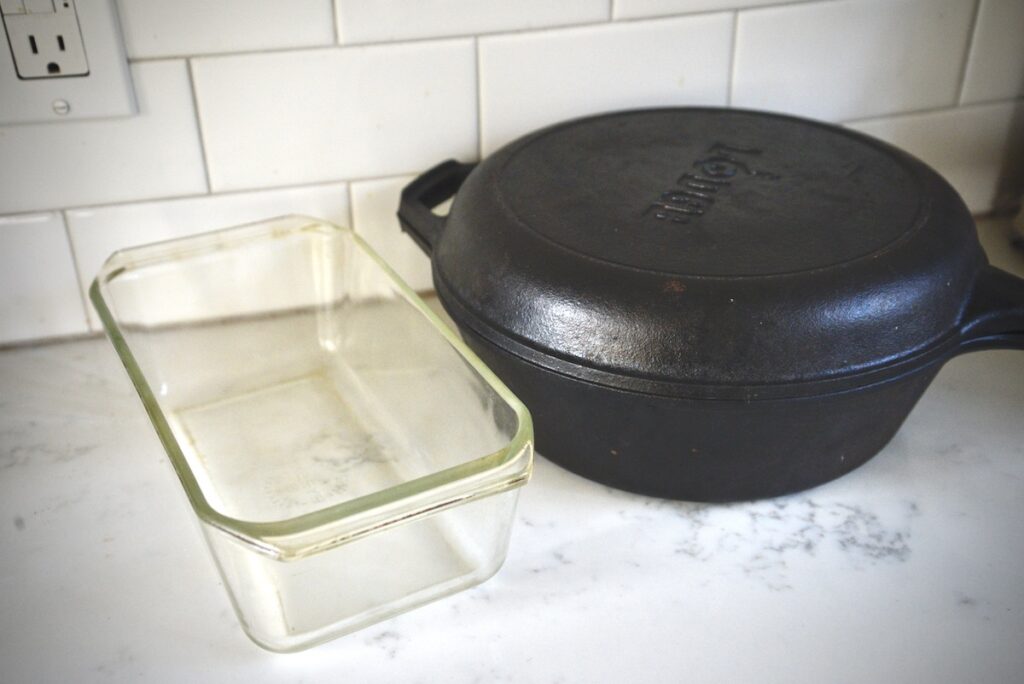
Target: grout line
(291, 186)
(896, 115)
(971, 37)
(458, 36)
(732, 58)
(344, 46)
(351, 207)
(994, 101)
(739, 8)
(334, 22)
(199, 126)
(479, 103)
(227, 193)
(78, 270)
(482, 34)
(389, 176)
(611, 10)
(235, 53)
(104, 205)
(930, 110)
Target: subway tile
(97, 232)
(632, 9)
(530, 80)
(969, 146)
(995, 68)
(374, 204)
(38, 293)
(851, 59)
(383, 20)
(157, 28)
(155, 153)
(316, 115)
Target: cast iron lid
(708, 252)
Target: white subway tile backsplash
(292, 122)
(158, 28)
(851, 58)
(382, 20)
(153, 154)
(38, 291)
(316, 115)
(99, 231)
(530, 80)
(968, 146)
(374, 204)
(632, 9)
(995, 68)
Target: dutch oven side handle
(423, 194)
(994, 318)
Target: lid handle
(423, 194)
(994, 318)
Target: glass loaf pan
(348, 458)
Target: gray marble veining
(906, 570)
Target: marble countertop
(910, 569)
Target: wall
(254, 108)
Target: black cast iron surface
(707, 303)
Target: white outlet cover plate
(105, 92)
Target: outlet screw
(61, 107)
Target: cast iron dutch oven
(710, 304)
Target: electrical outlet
(45, 38)
(62, 59)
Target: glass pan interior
(293, 371)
